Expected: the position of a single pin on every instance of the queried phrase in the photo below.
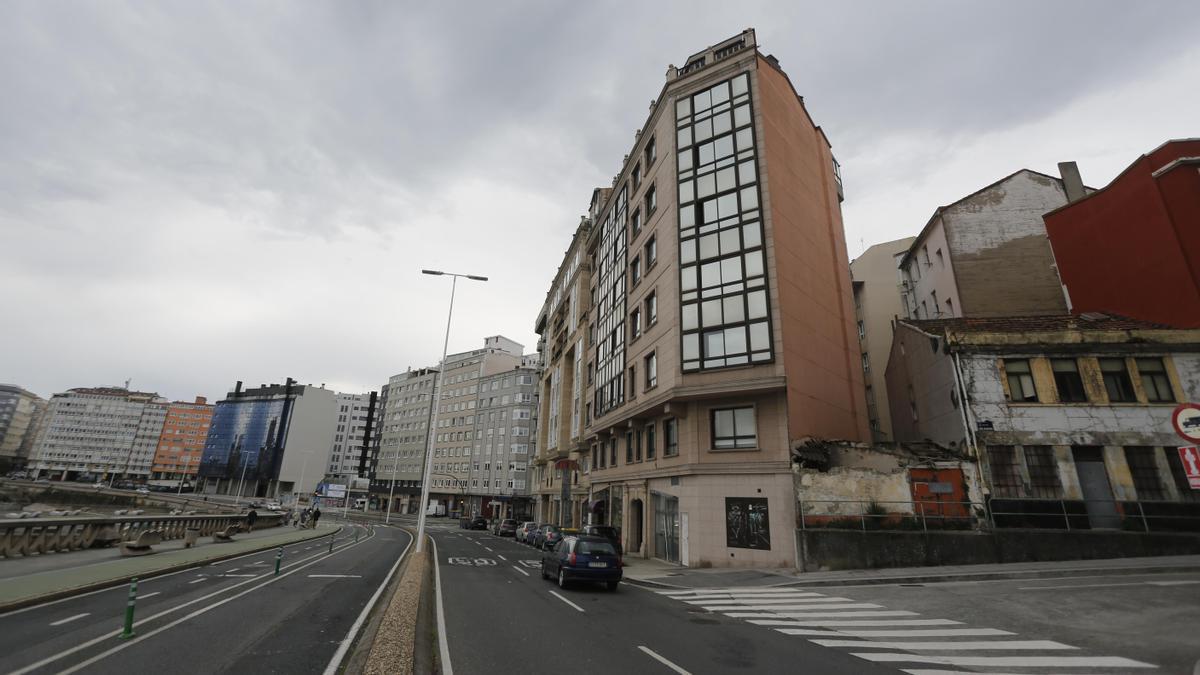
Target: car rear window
(510, 522)
(595, 548)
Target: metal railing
(31, 536)
(999, 514)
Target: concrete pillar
(1066, 472)
(1119, 476)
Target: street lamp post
(242, 482)
(437, 383)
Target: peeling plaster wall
(1074, 424)
(845, 490)
(1002, 261)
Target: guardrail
(999, 513)
(31, 536)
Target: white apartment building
(103, 431)
(20, 414)
(505, 432)
(354, 419)
(399, 444)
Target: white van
(435, 509)
(360, 504)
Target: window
(1020, 380)
(650, 442)
(635, 324)
(1068, 381)
(862, 330)
(632, 381)
(1006, 477)
(637, 448)
(651, 370)
(651, 153)
(635, 272)
(651, 249)
(629, 447)
(612, 451)
(635, 223)
(1155, 381)
(1144, 470)
(866, 363)
(733, 428)
(651, 309)
(651, 201)
(1179, 475)
(941, 259)
(636, 175)
(1043, 472)
(1116, 380)
(671, 438)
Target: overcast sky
(196, 193)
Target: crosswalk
(904, 639)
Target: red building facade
(1133, 247)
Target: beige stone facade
(877, 302)
(720, 320)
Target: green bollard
(331, 543)
(278, 559)
(356, 535)
(127, 632)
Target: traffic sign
(1191, 465)
(1186, 420)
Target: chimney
(1072, 183)
(237, 388)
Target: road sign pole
(127, 632)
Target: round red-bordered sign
(1186, 420)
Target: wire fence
(1000, 513)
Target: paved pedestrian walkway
(665, 575)
(65, 573)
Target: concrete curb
(934, 578)
(118, 581)
(393, 642)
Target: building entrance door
(1097, 493)
(666, 528)
(636, 519)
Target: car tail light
(571, 559)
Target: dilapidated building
(1074, 410)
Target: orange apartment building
(181, 443)
(721, 324)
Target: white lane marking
(232, 570)
(105, 637)
(520, 570)
(441, 612)
(806, 631)
(69, 619)
(791, 608)
(335, 576)
(336, 662)
(258, 562)
(1043, 588)
(820, 615)
(196, 581)
(238, 576)
(149, 595)
(1178, 582)
(732, 589)
(661, 659)
(947, 645)
(749, 596)
(933, 632)
(488, 549)
(502, 557)
(320, 557)
(555, 594)
(775, 621)
(922, 671)
(764, 602)
(1013, 661)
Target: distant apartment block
(1133, 246)
(355, 419)
(101, 432)
(877, 303)
(401, 439)
(987, 254)
(271, 441)
(181, 443)
(20, 414)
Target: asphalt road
(234, 616)
(502, 617)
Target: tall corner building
(721, 327)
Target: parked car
(478, 523)
(274, 506)
(524, 530)
(549, 536)
(583, 558)
(143, 490)
(612, 534)
(508, 528)
(535, 534)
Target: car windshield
(595, 548)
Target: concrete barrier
(33, 536)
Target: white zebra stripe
(965, 645)
(1008, 661)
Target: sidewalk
(100, 568)
(658, 574)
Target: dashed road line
(69, 619)
(555, 594)
(661, 659)
(520, 570)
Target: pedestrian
(316, 515)
(304, 518)
(251, 518)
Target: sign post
(1186, 420)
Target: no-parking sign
(1186, 420)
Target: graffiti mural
(747, 524)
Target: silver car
(524, 529)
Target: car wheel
(612, 585)
(544, 575)
(562, 578)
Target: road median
(33, 589)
